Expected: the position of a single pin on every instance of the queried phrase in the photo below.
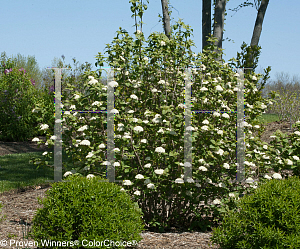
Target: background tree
(166, 18)
(206, 22)
(219, 17)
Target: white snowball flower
(133, 96)
(102, 146)
(190, 180)
(296, 158)
(90, 176)
(205, 121)
(216, 202)
(137, 192)
(226, 166)
(45, 153)
(83, 128)
(90, 155)
(44, 127)
(116, 164)
(35, 139)
(138, 128)
(205, 127)
(85, 142)
(53, 137)
(267, 177)
(249, 180)
(254, 78)
(96, 103)
(144, 141)
(67, 173)
(202, 168)
(150, 185)
(231, 195)
(162, 43)
(220, 152)
(277, 176)
(159, 171)
(139, 176)
(179, 180)
(160, 150)
(219, 88)
(76, 96)
(203, 89)
(148, 165)
(225, 115)
(114, 111)
(72, 107)
(127, 182)
(116, 150)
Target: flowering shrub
(17, 98)
(149, 134)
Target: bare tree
(166, 18)
(206, 22)
(219, 16)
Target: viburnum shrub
(18, 96)
(269, 218)
(149, 116)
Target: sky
(81, 29)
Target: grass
(16, 172)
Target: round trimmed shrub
(269, 218)
(87, 209)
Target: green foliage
(270, 218)
(87, 209)
(19, 61)
(17, 98)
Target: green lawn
(16, 172)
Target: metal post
(57, 127)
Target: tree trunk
(166, 18)
(206, 22)
(219, 16)
(258, 24)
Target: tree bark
(219, 16)
(258, 23)
(258, 26)
(166, 18)
(206, 22)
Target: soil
(20, 205)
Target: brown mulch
(21, 205)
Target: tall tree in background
(206, 22)
(166, 18)
(258, 26)
(219, 16)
